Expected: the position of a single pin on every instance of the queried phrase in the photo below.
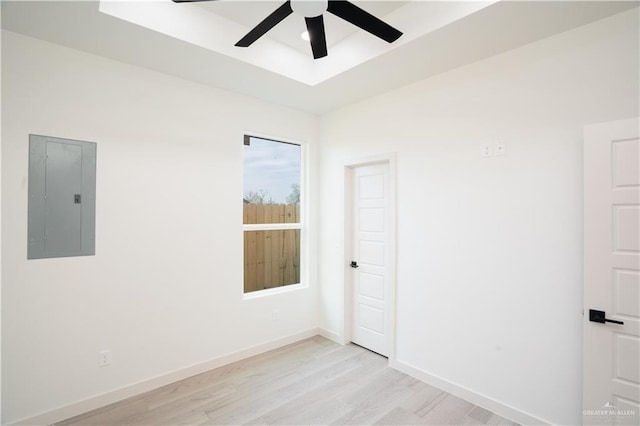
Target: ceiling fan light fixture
(309, 8)
(312, 11)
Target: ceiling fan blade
(363, 19)
(269, 22)
(315, 27)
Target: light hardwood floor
(311, 382)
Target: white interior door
(611, 348)
(371, 263)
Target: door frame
(349, 167)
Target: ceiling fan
(312, 11)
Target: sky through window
(271, 169)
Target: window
(271, 213)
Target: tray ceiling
(196, 41)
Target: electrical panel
(62, 197)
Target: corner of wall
(0, 224)
(333, 336)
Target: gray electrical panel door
(62, 201)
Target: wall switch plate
(487, 150)
(275, 314)
(499, 149)
(105, 358)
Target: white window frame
(301, 225)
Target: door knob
(354, 264)
(599, 316)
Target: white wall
(0, 225)
(164, 290)
(489, 281)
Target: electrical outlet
(105, 358)
(500, 149)
(487, 150)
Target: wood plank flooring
(311, 382)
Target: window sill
(271, 291)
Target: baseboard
(480, 400)
(80, 407)
(335, 337)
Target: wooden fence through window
(271, 258)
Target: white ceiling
(195, 41)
